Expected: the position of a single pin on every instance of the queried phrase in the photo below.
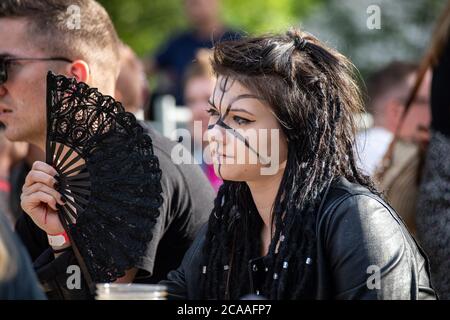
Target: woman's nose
(215, 133)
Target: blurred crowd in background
(166, 53)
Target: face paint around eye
(225, 85)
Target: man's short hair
(57, 29)
(392, 78)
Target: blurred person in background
(131, 87)
(199, 82)
(17, 278)
(11, 153)
(387, 93)
(33, 40)
(397, 169)
(433, 214)
(17, 158)
(174, 56)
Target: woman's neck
(264, 192)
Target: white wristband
(58, 240)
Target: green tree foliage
(406, 25)
(145, 24)
(267, 15)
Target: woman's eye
(241, 121)
(212, 112)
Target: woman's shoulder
(353, 210)
(358, 232)
(344, 195)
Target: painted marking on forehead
(225, 84)
(224, 87)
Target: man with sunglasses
(37, 36)
(6, 62)
(11, 65)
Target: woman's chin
(235, 172)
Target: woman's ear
(79, 69)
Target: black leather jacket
(359, 237)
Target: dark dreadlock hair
(313, 93)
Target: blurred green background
(144, 24)
(406, 25)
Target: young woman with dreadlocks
(314, 227)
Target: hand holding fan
(108, 175)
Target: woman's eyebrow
(241, 110)
(245, 96)
(240, 97)
(235, 99)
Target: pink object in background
(216, 182)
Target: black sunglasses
(5, 61)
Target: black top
(187, 202)
(20, 281)
(358, 237)
(440, 95)
(433, 204)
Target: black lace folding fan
(108, 175)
